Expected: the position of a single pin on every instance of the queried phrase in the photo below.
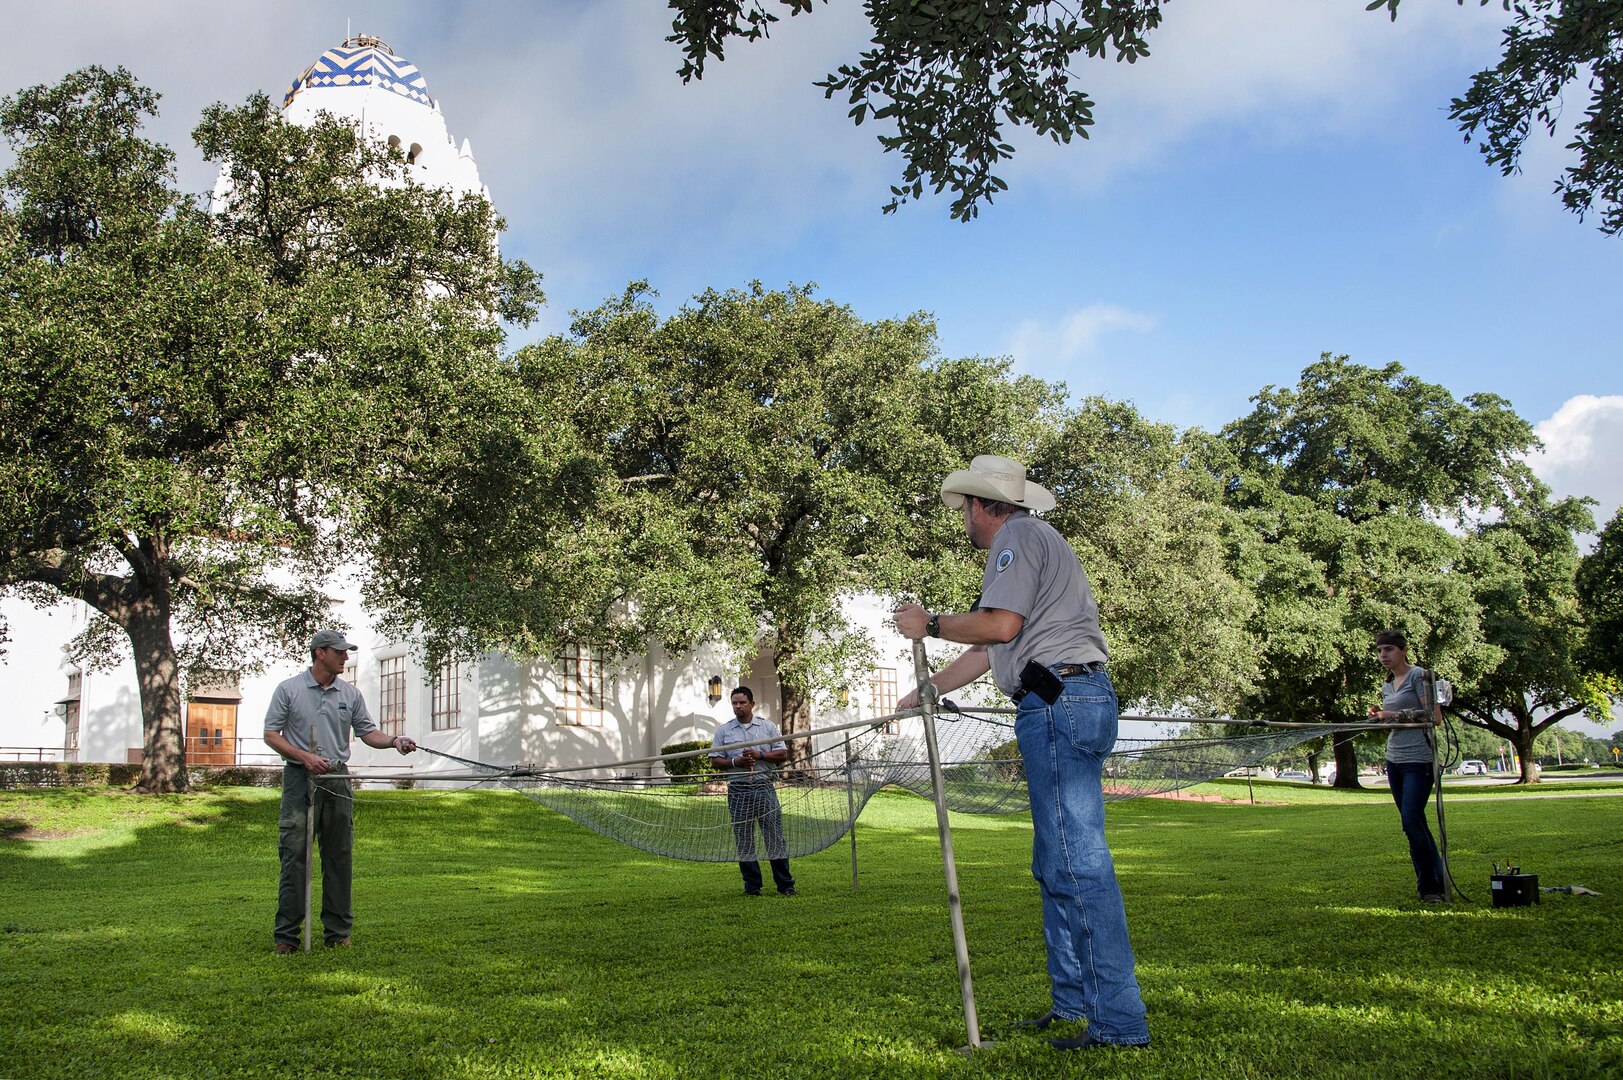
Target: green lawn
(496, 939)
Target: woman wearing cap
(1410, 759)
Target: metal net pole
(1428, 704)
(309, 838)
(851, 808)
(955, 907)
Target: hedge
(696, 768)
(61, 774)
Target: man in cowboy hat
(316, 704)
(1036, 629)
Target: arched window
(411, 158)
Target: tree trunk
(1346, 762)
(794, 703)
(1522, 740)
(794, 714)
(163, 762)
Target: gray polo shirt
(300, 703)
(1032, 571)
(733, 732)
(1406, 744)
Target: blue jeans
(1411, 783)
(757, 804)
(1090, 961)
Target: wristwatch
(933, 627)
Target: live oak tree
(1157, 542)
(761, 456)
(756, 458)
(1345, 482)
(949, 74)
(1523, 568)
(202, 409)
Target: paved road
(1495, 779)
(1453, 781)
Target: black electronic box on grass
(1514, 888)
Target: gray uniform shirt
(300, 703)
(733, 732)
(1406, 744)
(1032, 571)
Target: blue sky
(1279, 178)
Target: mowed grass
(496, 939)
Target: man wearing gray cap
(1036, 629)
(309, 723)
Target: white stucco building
(577, 707)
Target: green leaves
(1548, 46)
(1157, 542)
(948, 75)
(1360, 441)
(761, 456)
(1600, 593)
(60, 206)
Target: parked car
(1472, 768)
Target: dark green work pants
(335, 836)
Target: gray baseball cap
(331, 639)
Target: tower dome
(365, 81)
(362, 62)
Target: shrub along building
(576, 707)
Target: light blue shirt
(301, 703)
(733, 732)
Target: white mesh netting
(812, 802)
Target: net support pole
(309, 838)
(851, 808)
(955, 907)
(1428, 701)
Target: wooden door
(211, 733)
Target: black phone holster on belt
(1037, 679)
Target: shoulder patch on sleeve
(1005, 559)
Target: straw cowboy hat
(998, 478)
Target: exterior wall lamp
(713, 689)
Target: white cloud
(581, 127)
(1583, 444)
(1073, 340)
(1273, 71)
